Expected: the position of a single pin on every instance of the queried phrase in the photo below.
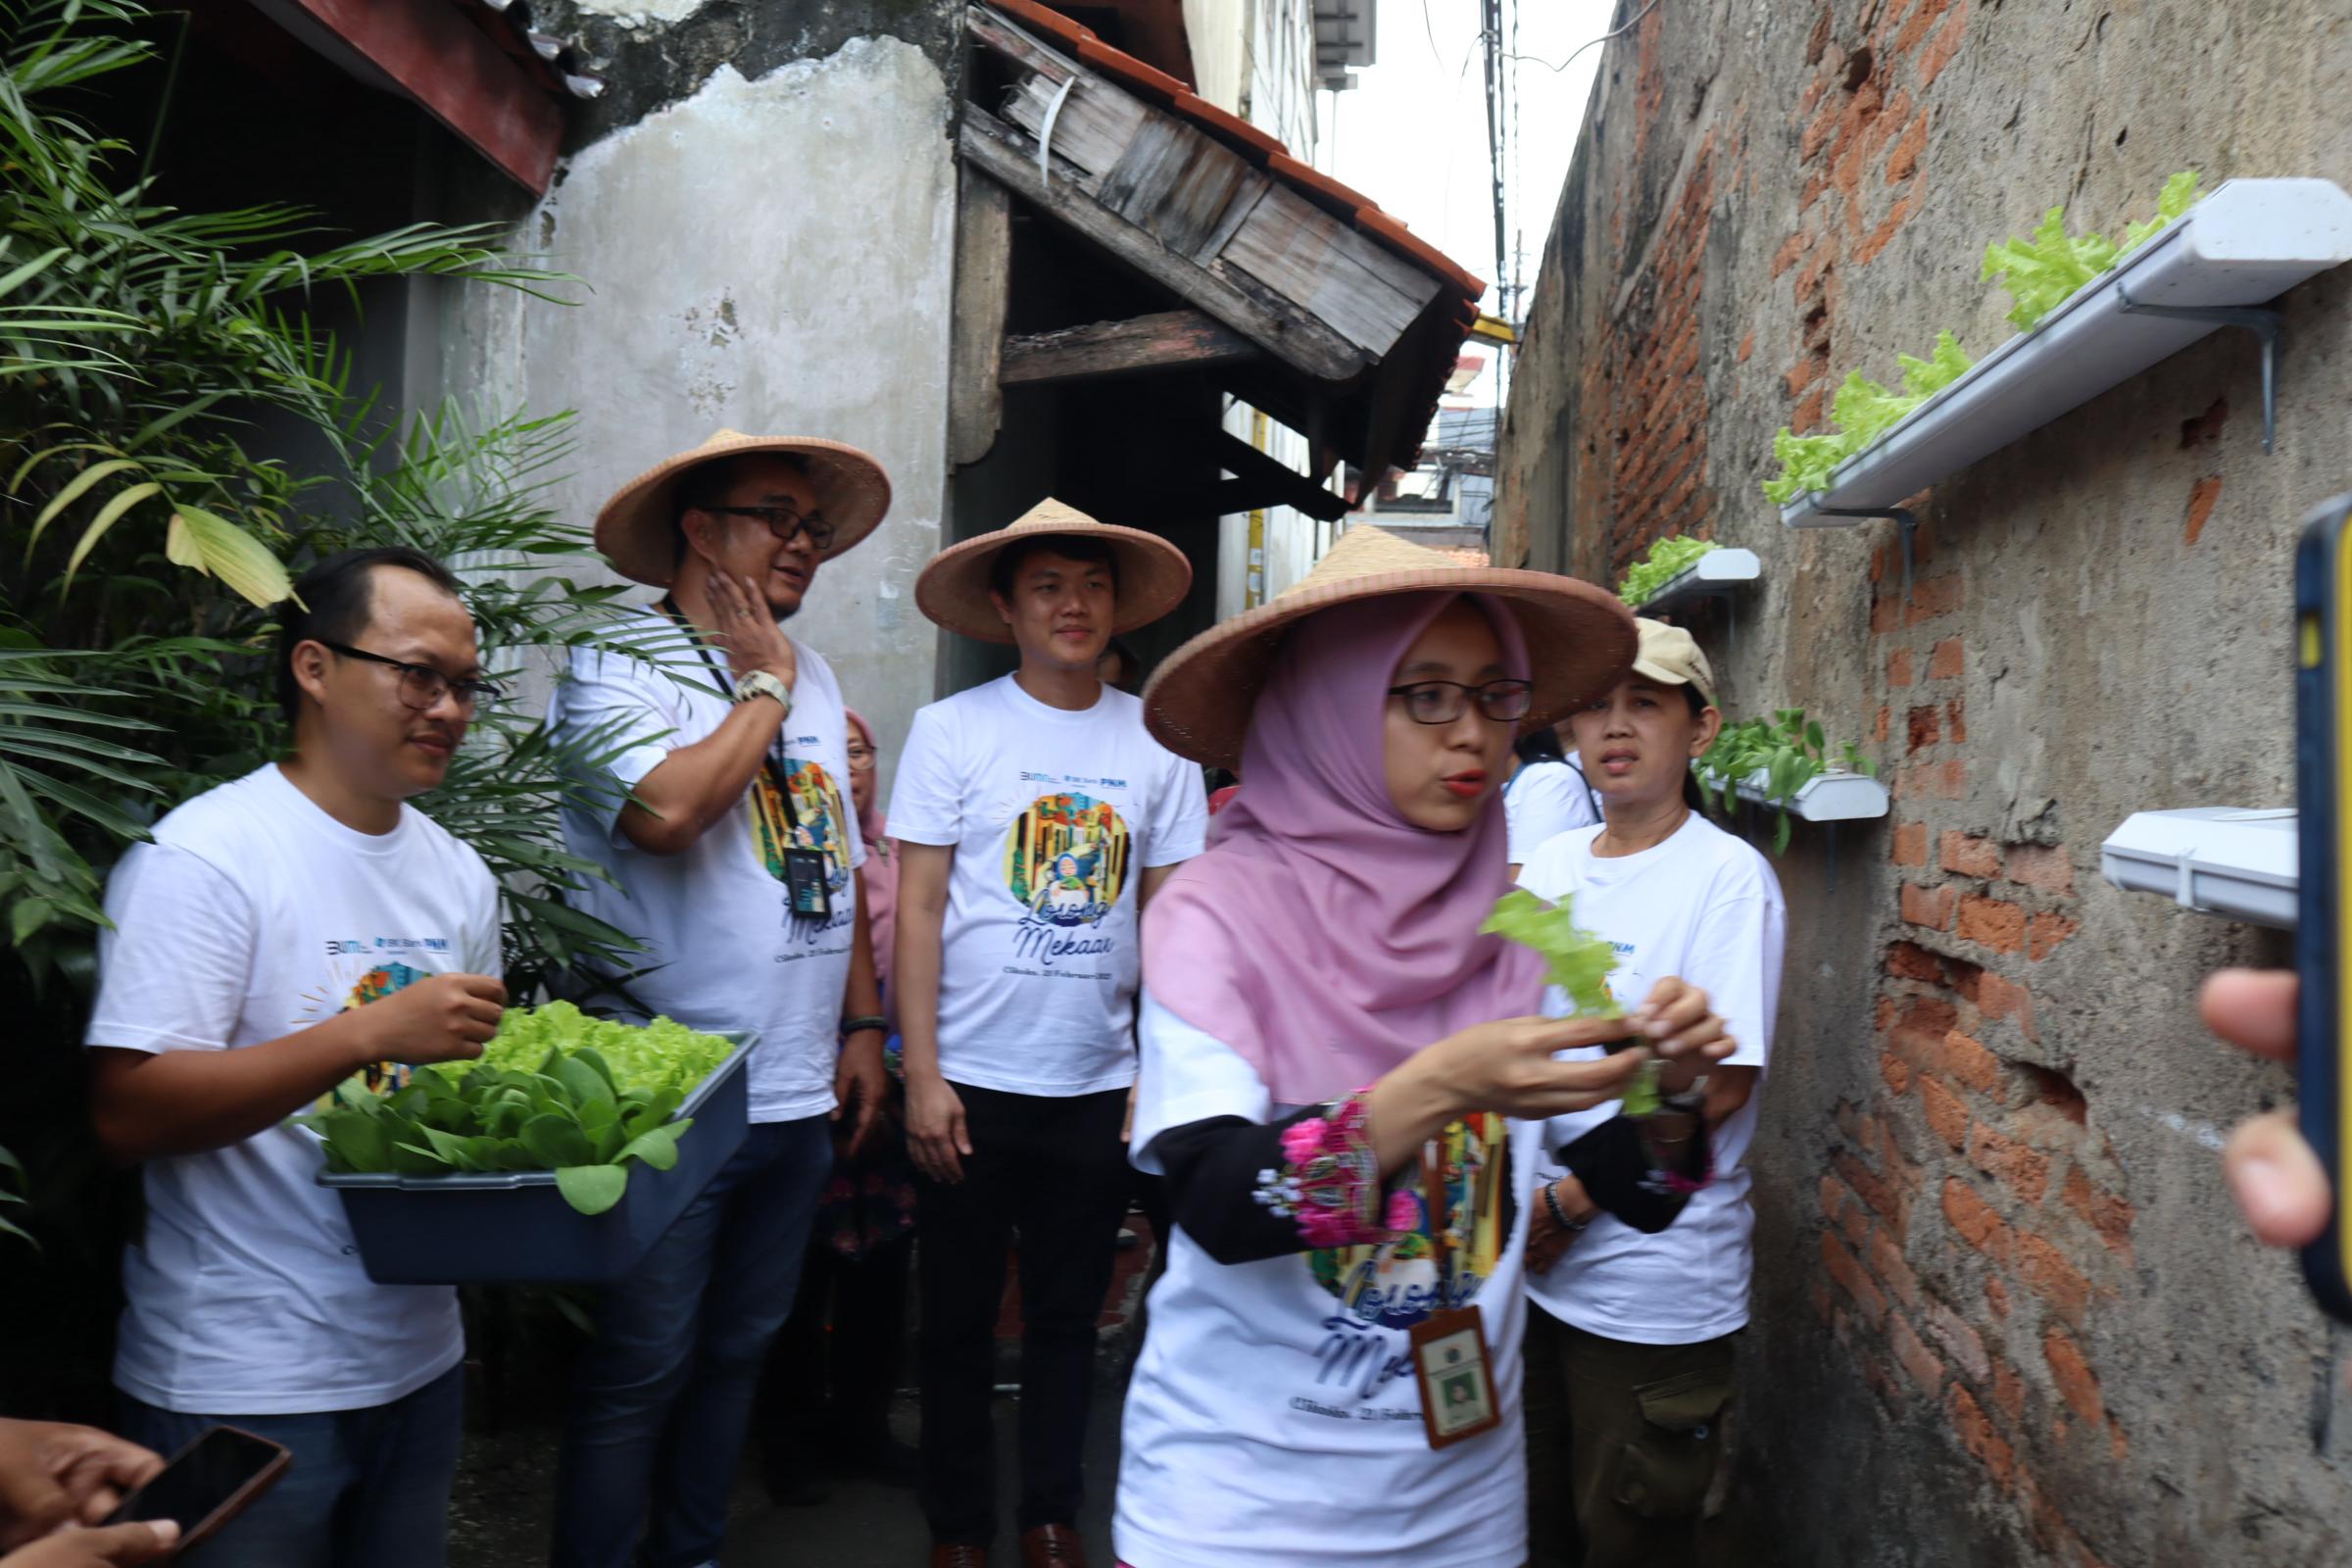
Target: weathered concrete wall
(770, 251)
(2005, 1310)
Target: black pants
(1054, 1171)
(825, 1399)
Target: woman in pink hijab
(1330, 1051)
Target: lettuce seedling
(1579, 963)
(1666, 560)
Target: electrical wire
(1617, 32)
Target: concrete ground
(504, 1494)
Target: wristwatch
(760, 683)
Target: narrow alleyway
(506, 1484)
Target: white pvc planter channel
(2216, 859)
(1716, 573)
(1836, 796)
(2247, 243)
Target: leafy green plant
(1667, 560)
(2040, 272)
(1574, 959)
(1579, 962)
(152, 362)
(1787, 750)
(662, 1054)
(1862, 410)
(2045, 271)
(571, 1114)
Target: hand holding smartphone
(2324, 933)
(207, 1485)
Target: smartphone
(208, 1483)
(2323, 778)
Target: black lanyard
(775, 759)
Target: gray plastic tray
(508, 1227)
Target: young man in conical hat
(730, 850)
(1035, 816)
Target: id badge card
(805, 879)
(1456, 1376)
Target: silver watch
(760, 683)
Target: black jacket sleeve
(1220, 1174)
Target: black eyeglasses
(1441, 701)
(785, 523)
(422, 687)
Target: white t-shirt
(1274, 1420)
(1054, 817)
(1703, 906)
(723, 948)
(1542, 802)
(254, 914)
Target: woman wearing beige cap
(1634, 1306)
(1330, 1051)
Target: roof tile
(1045, 19)
(1150, 80)
(1257, 143)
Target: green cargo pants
(1622, 1444)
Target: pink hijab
(1322, 936)
(878, 878)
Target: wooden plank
(1350, 283)
(1170, 340)
(983, 292)
(1290, 335)
(1094, 129)
(1280, 484)
(1096, 120)
(1175, 181)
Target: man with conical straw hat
(1035, 816)
(730, 850)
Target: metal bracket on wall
(1904, 519)
(2259, 320)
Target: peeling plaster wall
(769, 254)
(2005, 1311)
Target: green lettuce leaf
(1949, 362)
(1576, 960)
(1667, 560)
(2180, 194)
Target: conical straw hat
(1579, 638)
(635, 530)
(953, 590)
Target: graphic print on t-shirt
(1065, 860)
(816, 807)
(1394, 1284)
(359, 973)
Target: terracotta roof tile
(1045, 19)
(1150, 80)
(1257, 144)
(1372, 220)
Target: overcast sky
(1412, 135)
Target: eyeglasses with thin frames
(1441, 701)
(421, 686)
(785, 523)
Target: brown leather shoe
(948, 1554)
(1052, 1546)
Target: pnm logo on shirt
(372, 984)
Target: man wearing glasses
(727, 830)
(300, 934)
